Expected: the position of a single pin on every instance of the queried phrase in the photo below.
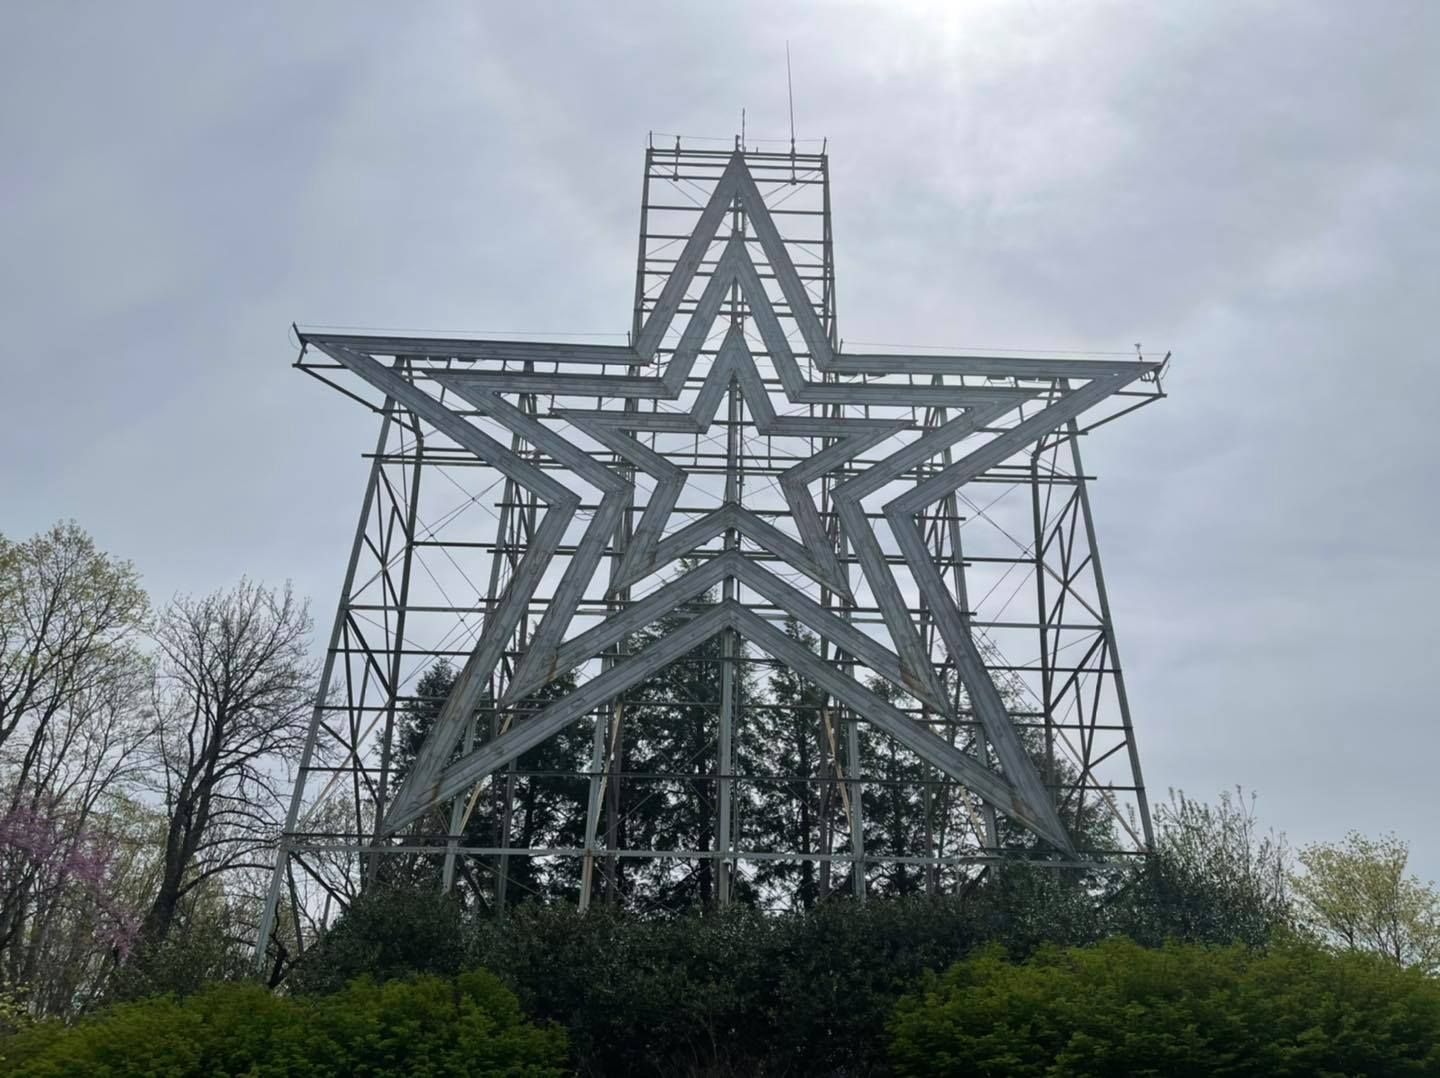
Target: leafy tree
(69, 615)
(73, 730)
(1355, 894)
(72, 942)
(418, 715)
(211, 941)
(1118, 1008)
(1213, 877)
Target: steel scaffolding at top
(909, 536)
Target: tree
(538, 803)
(73, 727)
(791, 816)
(232, 701)
(418, 715)
(1213, 877)
(69, 618)
(1355, 894)
(668, 798)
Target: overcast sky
(1253, 186)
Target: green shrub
(802, 993)
(425, 1025)
(387, 933)
(728, 992)
(1119, 1008)
(734, 990)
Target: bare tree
(232, 701)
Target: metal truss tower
(534, 509)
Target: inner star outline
(1016, 789)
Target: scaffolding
(729, 470)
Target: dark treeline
(790, 759)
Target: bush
(471, 1025)
(388, 933)
(732, 990)
(803, 993)
(1119, 1008)
(1214, 877)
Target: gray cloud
(1251, 187)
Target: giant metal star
(1015, 789)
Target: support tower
(717, 609)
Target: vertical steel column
(398, 645)
(729, 654)
(857, 807)
(327, 670)
(1108, 628)
(601, 754)
(729, 643)
(1042, 614)
(852, 789)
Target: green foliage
(1213, 878)
(641, 997)
(798, 993)
(546, 791)
(14, 1011)
(1356, 895)
(810, 991)
(470, 1025)
(388, 933)
(1119, 1008)
(807, 992)
(834, 975)
(803, 993)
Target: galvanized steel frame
(881, 426)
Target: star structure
(1016, 789)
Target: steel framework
(533, 508)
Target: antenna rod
(790, 91)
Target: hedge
(426, 1026)
(1180, 1010)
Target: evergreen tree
(541, 800)
(668, 796)
(789, 815)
